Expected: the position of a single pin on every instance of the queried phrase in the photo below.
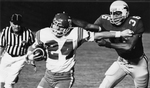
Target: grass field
(92, 62)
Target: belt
(129, 62)
(58, 76)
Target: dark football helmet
(61, 24)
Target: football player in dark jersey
(131, 57)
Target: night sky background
(38, 14)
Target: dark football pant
(57, 80)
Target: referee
(14, 42)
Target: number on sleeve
(105, 17)
(132, 21)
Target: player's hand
(38, 54)
(126, 33)
(30, 56)
(31, 61)
(103, 42)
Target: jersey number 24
(52, 47)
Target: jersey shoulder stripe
(80, 34)
(4, 36)
(38, 34)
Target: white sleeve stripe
(38, 37)
(2, 38)
(80, 34)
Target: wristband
(118, 34)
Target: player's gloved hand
(126, 33)
(30, 56)
(30, 60)
(37, 54)
(103, 42)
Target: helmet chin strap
(62, 33)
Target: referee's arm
(1, 51)
(2, 44)
(31, 38)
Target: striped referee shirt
(16, 44)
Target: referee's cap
(16, 19)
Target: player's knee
(9, 86)
(2, 79)
(105, 83)
(39, 87)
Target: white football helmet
(61, 24)
(119, 11)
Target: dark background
(38, 14)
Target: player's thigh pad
(113, 76)
(113, 69)
(64, 84)
(44, 84)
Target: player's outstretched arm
(128, 43)
(110, 34)
(86, 25)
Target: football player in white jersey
(61, 41)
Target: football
(39, 54)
